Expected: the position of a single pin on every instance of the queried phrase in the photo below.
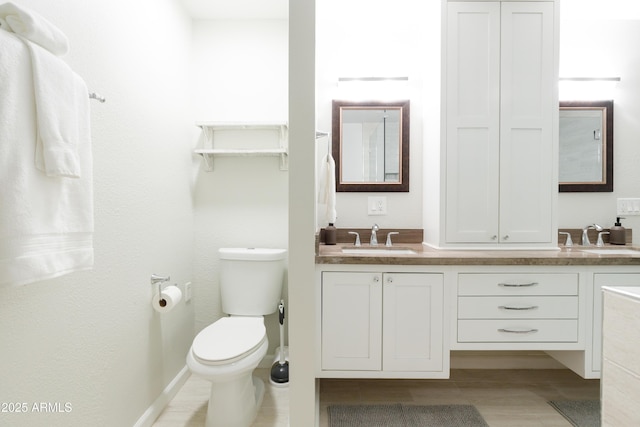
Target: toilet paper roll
(168, 298)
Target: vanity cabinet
(599, 281)
(620, 385)
(500, 144)
(519, 310)
(384, 323)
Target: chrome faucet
(568, 242)
(600, 242)
(585, 235)
(374, 238)
(391, 233)
(357, 242)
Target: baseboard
(503, 360)
(153, 412)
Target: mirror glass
(586, 146)
(371, 145)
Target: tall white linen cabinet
(500, 138)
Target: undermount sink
(380, 251)
(604, 251)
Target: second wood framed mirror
(586, 146)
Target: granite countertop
(425, 255)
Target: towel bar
(93, 95)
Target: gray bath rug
(580, 413)
(399, 415)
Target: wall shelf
(208, 152)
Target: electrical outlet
(628, 206)
(377, 205)
(187, 292)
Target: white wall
(606, 48)
(92, 339)
(364, 38)
(239, 74)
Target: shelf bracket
(283, 143)
(208, 161)
(208, 143)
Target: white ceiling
(279, 9)
(237, 9)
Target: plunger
(280, 369)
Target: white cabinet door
(499, 133)
(527, 106)
(413, 322)
(473, 122)
(366, 328)
(351, 321)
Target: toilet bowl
(226, 353)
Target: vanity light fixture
(587, 88)
(373, 79)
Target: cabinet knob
(494, 237)
(506, 237)
(389, 279)
(376, 279)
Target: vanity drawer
(518, 307)
(518, 284)
(518, 330)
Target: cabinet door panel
(351, 321)
(413, 322)
(472, 122)
(527, 104)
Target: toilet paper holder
(159, 280)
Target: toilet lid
(228, 338)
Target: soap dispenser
(330, 234)
(618, 234)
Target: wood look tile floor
(505, 398)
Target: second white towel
(62, 104)
(34, 27)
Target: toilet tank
(251, 280)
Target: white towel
(327, 193)
(46, 223)
(4, 25)
(35, 28)
(62, 103)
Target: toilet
(227, 351)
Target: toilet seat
(228, 339)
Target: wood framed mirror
(586, 146)
(371, 146)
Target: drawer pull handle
(518, 331)
(511, 307)
(517, 285)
